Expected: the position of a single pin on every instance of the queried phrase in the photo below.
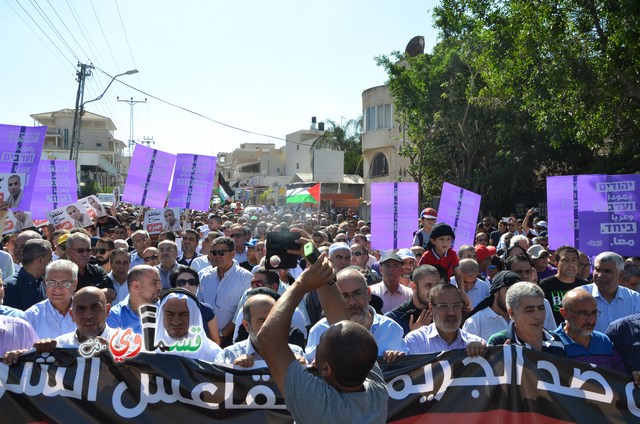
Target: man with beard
(490, 316)
(580, 341)
(168, 255)
(409, 264)
(387, 333)
(102, 252)
(414, 313)
(445, 304)
(78, 248)
(144, 289)
(189, 244)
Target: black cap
(504, 279)
(441, 229)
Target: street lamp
(77, 117)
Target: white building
(100, 155)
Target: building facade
(100, 156)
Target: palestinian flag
(224, 190)
(303, 193)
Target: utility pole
(132, 103)
(148, 141)
(82, 74)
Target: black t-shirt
(94, 276)
(554, 291)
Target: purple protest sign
(604, 208)
(394, 214)
(20, 149)
(55, 186)
(562, 210)
(192, 182)
(459, 208)
(149, 176)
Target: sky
(264, 67)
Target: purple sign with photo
(459, 208)
(606, 210)
(394, 215)
(149, 177)
(55, 186)
(193, 181)
(562, 210)
(20, 150)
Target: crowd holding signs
(160, 300)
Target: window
(379, 166)
(65, 139)
(378, 117)
(98, 144)
(297, 147)
(297, 165)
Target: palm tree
(346, 137)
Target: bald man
(581, 341)
(244, 353)
(89, 310)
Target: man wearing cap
(339, 255)
(189, 244)
(427, 218)
(483, 257)
(252, 256)
(490, 316)
(392, 293)
(409, 264)
(540, 259)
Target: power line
(67, 28)
(53, 28)
(45, 34)
(196, 113)
(39, 38)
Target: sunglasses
(82, 250)
(101, 251)
(259, 283)
(151, 258)
(184, 281)
(357, 253)
(218, 252)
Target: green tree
(346, 137)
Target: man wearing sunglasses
(102, 252)
(223, 284)
(51, 318)
(240, 236)
(79, 252)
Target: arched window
(379, 166)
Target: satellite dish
(415, 46)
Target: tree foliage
(346, 137)
(518, 90)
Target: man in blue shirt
(581, 341)
(144, 289)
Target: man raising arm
(352, 388)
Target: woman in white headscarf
(179, 328)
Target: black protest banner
(508, 382)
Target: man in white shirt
(223, 284)
(120, 262)
(51, 318)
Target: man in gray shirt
(351, 387)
